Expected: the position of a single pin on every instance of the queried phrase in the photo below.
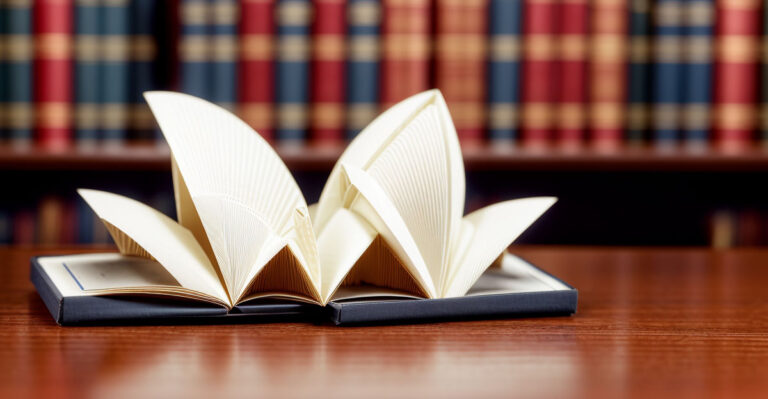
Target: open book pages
(389, 220)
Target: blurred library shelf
(152, 156)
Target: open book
(388, 223)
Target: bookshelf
(150, 156)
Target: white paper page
(340, 245)
(226, 164)
(363, 148)
(98, 274)
(374, 205)
(494, 228)
(369, 292)
(415, 171)
(123, 272)
(515, 275)
(171, 244)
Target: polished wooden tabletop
(651, 322)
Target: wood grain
(651, 322)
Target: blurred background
(647, 119)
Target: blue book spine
(667, 68)
(3, 73)
(292, 88)
(504, 69)
(638, 71)
(142, 63)
(223, 57)
(363, 24)
(87, 71)
(115, 70)
(17, 22)
(697, 76)
(194, 48)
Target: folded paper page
(145, 231)
(242, 192)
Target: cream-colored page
(376, 207)
(360, 151)
(243, 193)
(491, 230)
(169, 243)
(340, 245)
(416, 171)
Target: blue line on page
(73, 276)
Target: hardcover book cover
(698, 18)
(540, 71)
(53, 92)
(17, 28)
(143, 52)
(504, 70)
(87, 71)
(256, 65)
(293, 73)
(736, 55)
(607, 76)
(195, 48)
(460, 63)
(363, 54)
(638, 71)
(572, 56)
(223, 52)
(328, 70)
(667, 68)
(406, 49)
(115, 66)
(515, 288)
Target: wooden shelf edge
(142, 156)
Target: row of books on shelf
(738, 228)
(533, 71)
(62, 220)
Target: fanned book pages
(389, 227)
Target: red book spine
(539, 71)
(52, 20)
(460, 63)
(256, 67)
(736, 70)
(406, 26)
(572, 55)
(607, 72)
(328, 80)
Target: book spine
(3, 73)
(84, 222)
(698, 19)
(24, 227)
(256, 69)
(328, 85)
(506, 28)
(572, 56)
(6, 227)
(363, 52)
(223, 52)
(52, 21)
(667, 68)
(87, 70)
(406, 29)
(638, 71)
(460, 63)
(49, 222)
(115, 70)
(736, 54)
(194, 48)
(539, 69)
(293, 51)
(608, 71)
(19, 117)
(763, 109)
(143, 51)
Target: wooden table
(671, 322)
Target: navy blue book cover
(515, 289)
